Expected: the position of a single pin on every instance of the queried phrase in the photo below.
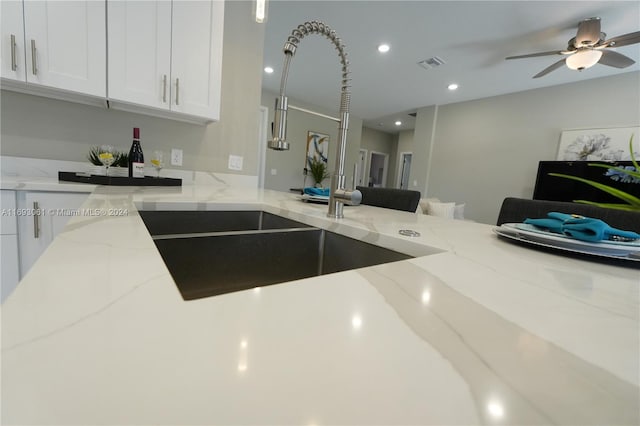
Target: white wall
(38, 127)
(488, 149)
(422, 136)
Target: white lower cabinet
(9, 274)
(45, 215)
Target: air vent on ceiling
(431, 63)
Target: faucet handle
(352, 198)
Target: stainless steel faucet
(338, 194)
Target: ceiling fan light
(583, 59)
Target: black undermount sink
(215, 252)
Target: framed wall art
(609, 144)
(317, 147)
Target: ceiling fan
(588, 48)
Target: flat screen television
(555, 188)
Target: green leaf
(632, 202)
(619, 169)
(633, 158)
(628, 198)
(635, 174)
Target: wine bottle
(136, 157)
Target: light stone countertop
(20, 183)
(481, 331)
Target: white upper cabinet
(140, 52)
(65, 45)
(165, 58)
(196, 63)
(12, 29)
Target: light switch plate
(176, 157)
(235, 162)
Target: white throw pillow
(458, 211)
(445, 210)
(423, 205)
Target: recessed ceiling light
(398, 123)
(268, 70)
(452, 86)
(383, 48)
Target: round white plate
(532, 235)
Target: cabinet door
(8, 245)
(35, 232)
(139, 35)
(12, 29)
(8, 218)
(66, 45)
(9, 262)
(196, 57)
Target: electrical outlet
(176, 157)
(274, 172)
(235, 162)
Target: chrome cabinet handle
(14, 65)
(34, 63)
(36, 220)
(164, 88)
(177, 91)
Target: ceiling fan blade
(588, 32)
(550, 68)
(615, 59)
(623, 40)
(531, 55)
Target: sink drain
(409, 233)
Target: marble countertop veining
(480, 331)
(43, 183)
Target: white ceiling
(472, 37)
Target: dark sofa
(391, 198)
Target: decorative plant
(318, 169)
(94, 156)
(625, 174)
(121, 158)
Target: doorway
(378, 165)
(362, 167)
(404, 170)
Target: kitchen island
(480, 331)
